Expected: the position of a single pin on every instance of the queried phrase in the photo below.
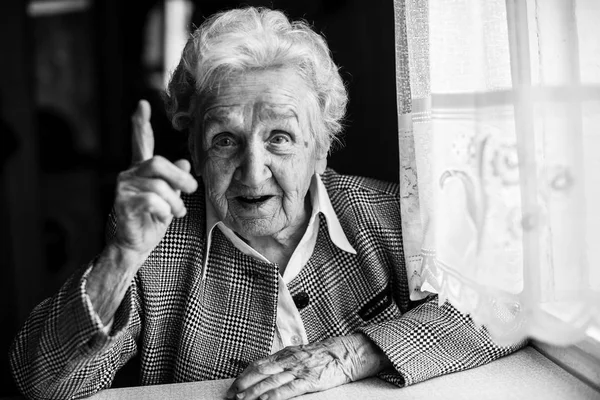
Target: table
(526, 374)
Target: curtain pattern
(499, 135)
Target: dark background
(68, 84)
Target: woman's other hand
(310, 368)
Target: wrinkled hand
(148, 194)
(311, 368)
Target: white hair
(257, 39)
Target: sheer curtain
(499, 131)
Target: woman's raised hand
(148, 193)
(147, 199)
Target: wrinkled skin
(318, 366)
(254, 150)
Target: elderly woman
(272, 268)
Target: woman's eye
(223, 141)
(280, 138)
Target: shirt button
(296, 340)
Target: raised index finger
(142, 138)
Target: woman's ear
(321, 166)
(321, 155)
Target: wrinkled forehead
(275, 92)
(261, 111)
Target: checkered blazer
(189, 328)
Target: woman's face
(256, 155)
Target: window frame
(581, 359)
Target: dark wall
(68, 86)
(19, 207)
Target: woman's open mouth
(253, 199)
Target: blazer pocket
(376, 305)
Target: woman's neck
(278, 248)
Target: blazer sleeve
(432, 340)
(63, 352)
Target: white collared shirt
(289, 326)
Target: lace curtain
(499, 131)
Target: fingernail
(264, 396)
(140, 109)
(240, 395)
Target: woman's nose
(254, 167)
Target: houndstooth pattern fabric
(186, 328)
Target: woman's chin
(254, 220)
